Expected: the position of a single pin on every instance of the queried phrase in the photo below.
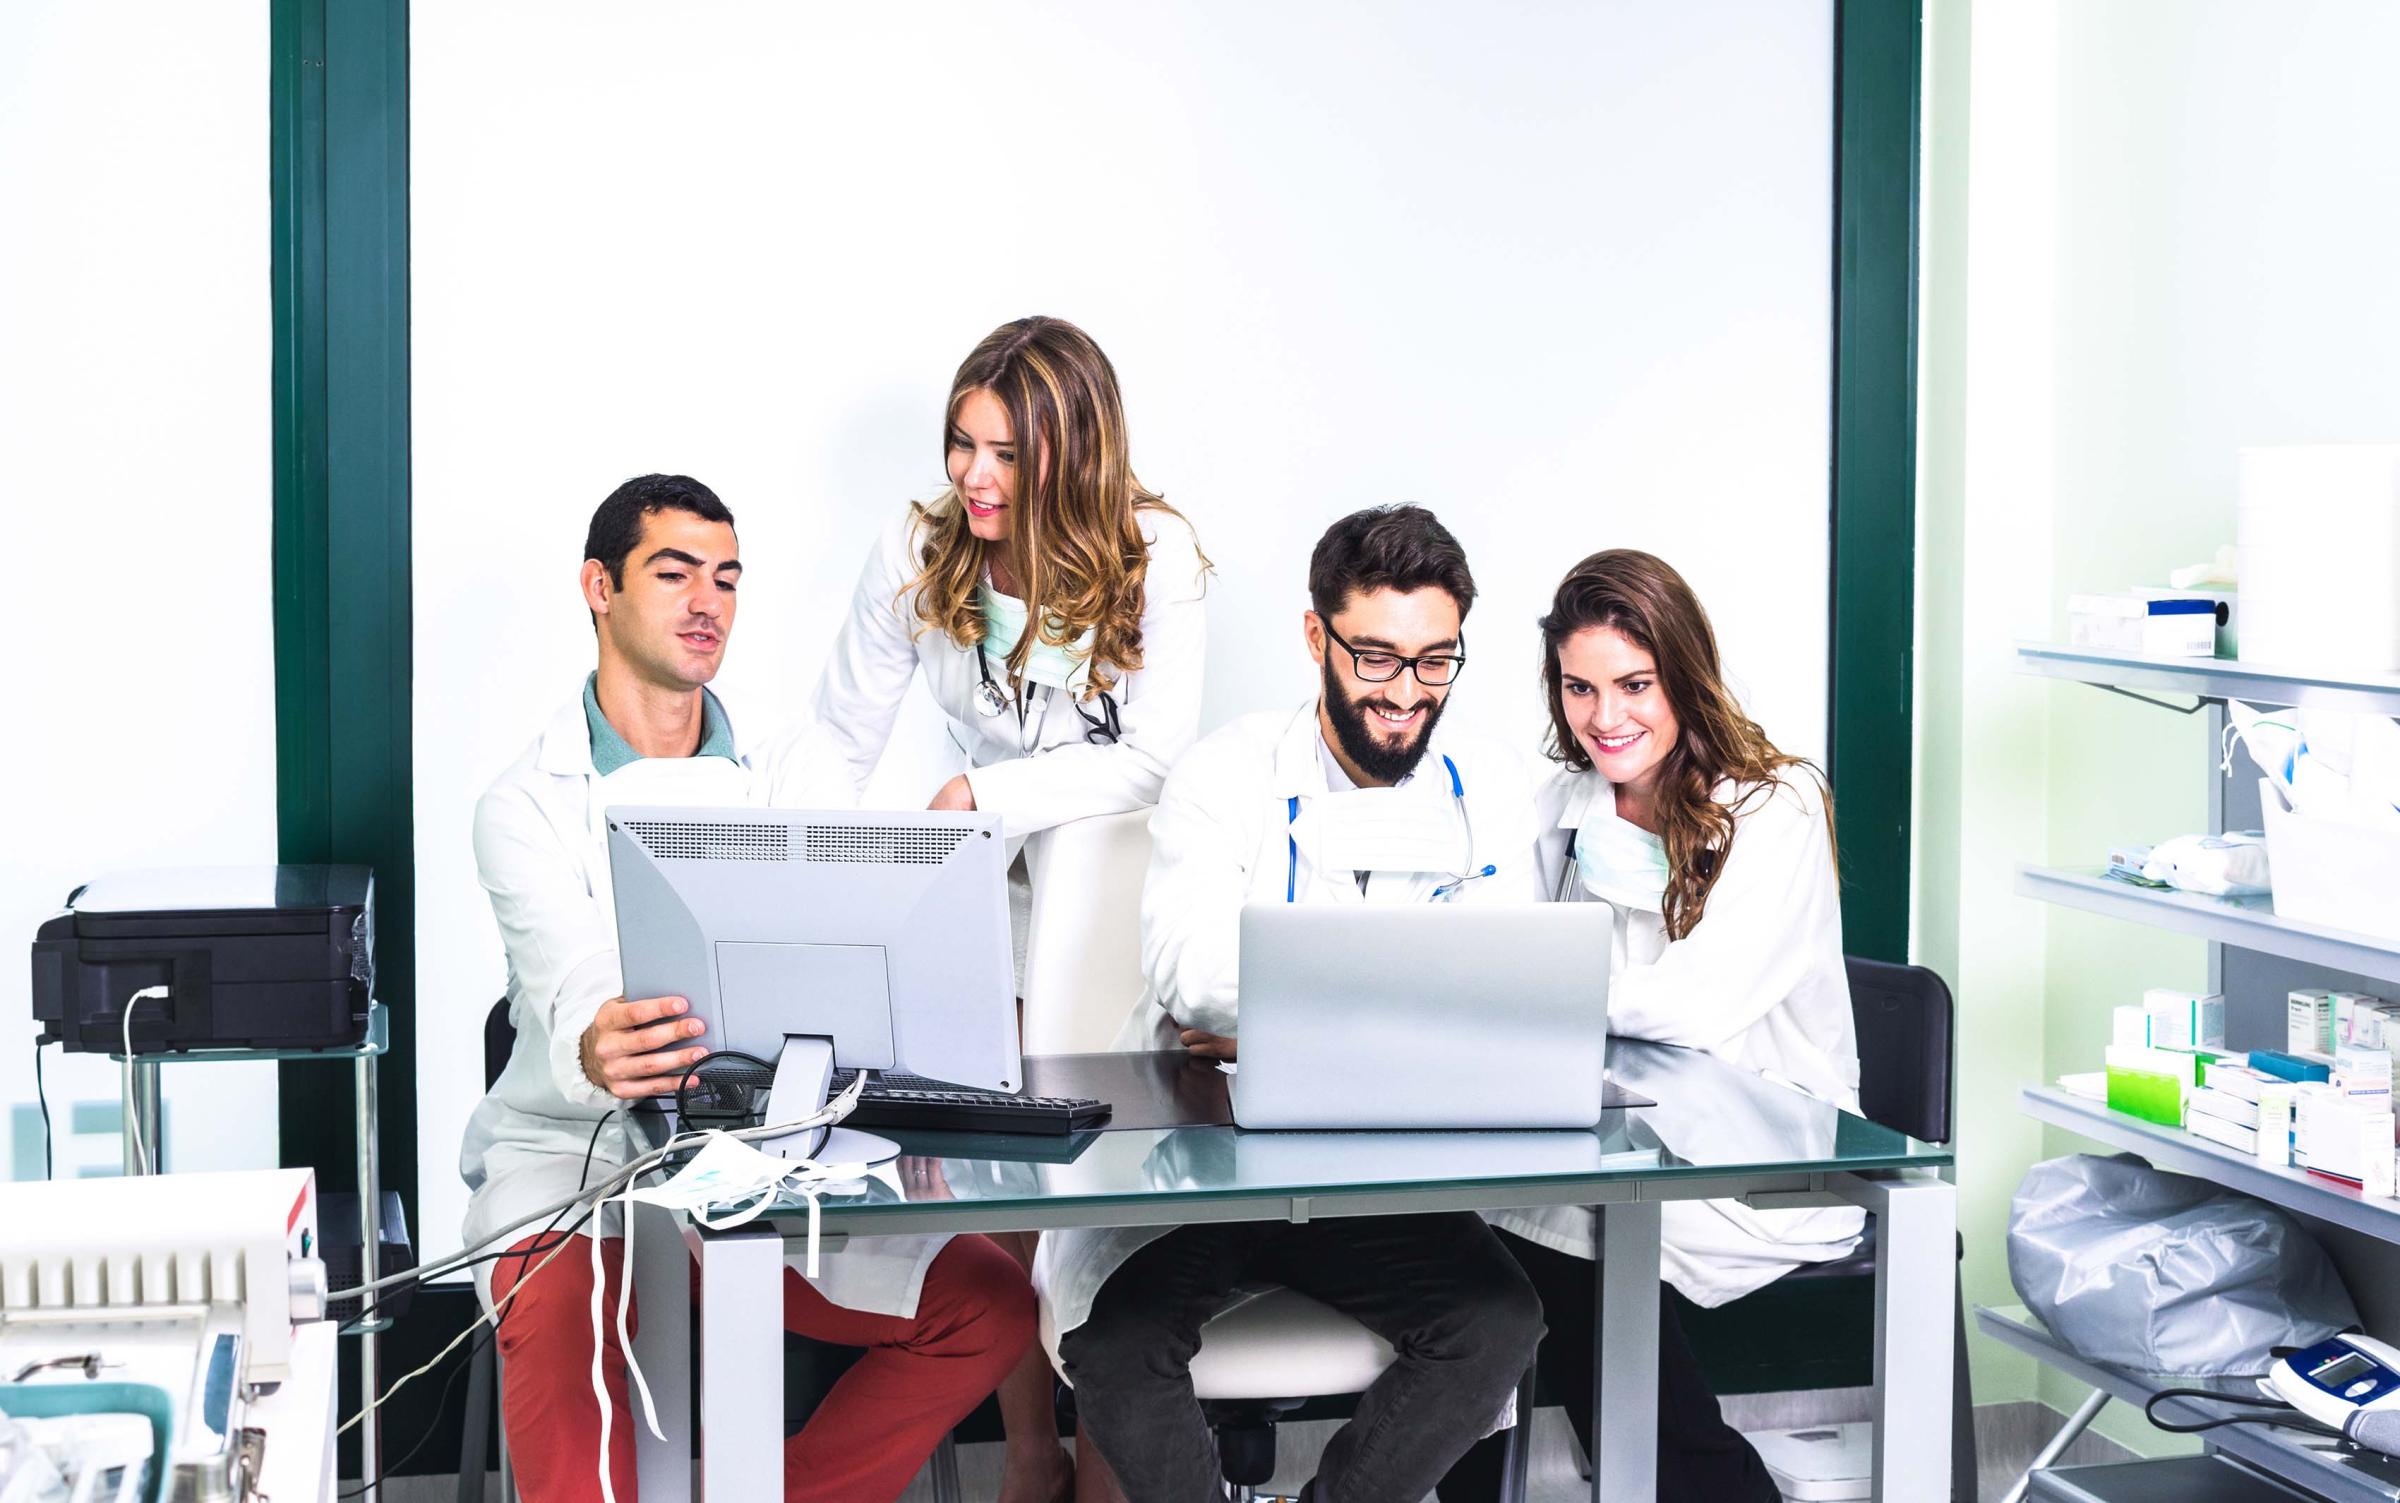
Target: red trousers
(920, 1376)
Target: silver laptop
(1424, 1015)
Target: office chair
(810, 1367)
(1083, 976)
(1904, 1016)
(481, 1417)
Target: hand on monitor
(1210, 1045)
(957, 795)
(628, 1051)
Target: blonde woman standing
(1052, 606)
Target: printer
(253, 957)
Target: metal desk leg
(1915, 1281)
(370, 1263)
(1625, 1356)
(662, 1343)
(141, 1104)
(741, 1365)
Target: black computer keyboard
(911, 1103)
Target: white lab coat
(1221, 839)
(884, 643)
(541, 851)
(1759, 982)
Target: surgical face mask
(1046, 663)
(1620, 862)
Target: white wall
(135, 474)
(1560, 273)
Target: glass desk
(1715, 1131)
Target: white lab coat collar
(566, 745)
(1584, 790)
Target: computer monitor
(824, 940)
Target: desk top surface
(1710, 1120)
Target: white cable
(833, 1113)
(611, 1188)
(133, 1100)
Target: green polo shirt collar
(611, 751)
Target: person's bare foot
(1040, 1474)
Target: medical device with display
(2338, 1379)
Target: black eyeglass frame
(1457, 661)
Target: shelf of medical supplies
(2172, 1148)
(2315, 1464)
(2245, 923)
(2214, 678)
(375, 1041)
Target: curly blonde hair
(1642, 598)
(1076, 545)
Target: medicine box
(2358, 1019)
(2349, 1139)
(2185, 1020)
(2362, 1072)
(2129, 1027)
(2133, 621)
(2149, 1083)
(2308, 1022)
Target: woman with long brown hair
(1052, 606)
(1050, 602)
(1716, 851)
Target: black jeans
(1700, 1457)
(1453, 1304)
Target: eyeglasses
(1432, 669)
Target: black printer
(254, 957)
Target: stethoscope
(1102, 729)
(1449, 889)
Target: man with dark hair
(1268, 809)
(943, 1319)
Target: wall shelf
(2324, 1467)
(2246, 923)
(2213, 678)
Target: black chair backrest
(1903, 1014)
(499, 1040)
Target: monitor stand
(803, 1071)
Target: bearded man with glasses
(1352, 798)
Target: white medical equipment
(2339, 1379)
(1409, 1016)
(186, 1284)
(817, 941)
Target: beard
(1378, 759)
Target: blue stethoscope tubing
(1458, 797)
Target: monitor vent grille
(677, 841)
(882, 845)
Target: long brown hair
(1643, 599)
(1075, 545)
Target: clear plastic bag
(2166, 1275)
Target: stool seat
(1279, 1345)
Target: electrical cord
(42, 1095)
(2290, 1419)
(607, 1190)
(835, 1110)
(373, 1310)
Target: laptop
(1424, 1015)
